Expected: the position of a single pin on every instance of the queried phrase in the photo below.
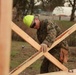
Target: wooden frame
(37, 46)
(5, 41)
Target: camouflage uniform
(47, 34)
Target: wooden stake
(5, 35)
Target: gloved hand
(43, 47)
(63, 55)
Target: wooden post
(5, 35)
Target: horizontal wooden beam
(58, 73)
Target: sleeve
(64, 43)
(51, 35)
(58, 29)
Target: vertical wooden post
(5, 35)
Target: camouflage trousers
(48, 66)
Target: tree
(51, 4)
(73, 4)
(25, 7)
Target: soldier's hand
(63, 55)
(43, 47)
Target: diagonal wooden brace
(26, 63)
(37, 46)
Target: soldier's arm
(51, 35)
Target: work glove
(43, 48)
(63, 55)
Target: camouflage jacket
(48, 32)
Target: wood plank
(20, 32)
(58, 73)
(5, 35)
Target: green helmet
(28, 19)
